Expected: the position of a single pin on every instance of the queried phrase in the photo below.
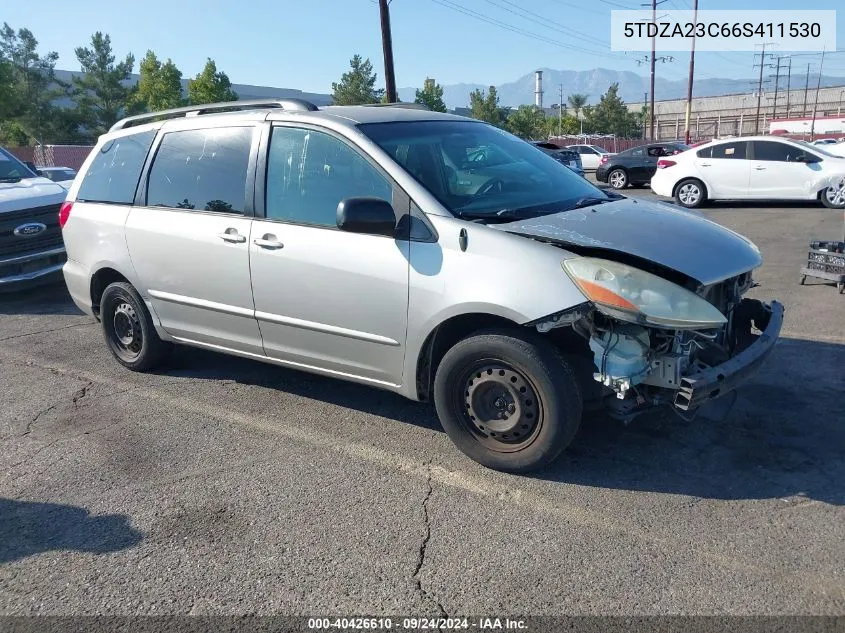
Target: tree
(431, 95)
(159, 85)
(569, 125)
(485, 107)
(611, 116)
(210, 86)
(101, 93)
(27, 85)
(358, 85)
(527, 122)
(577, 102)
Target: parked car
(379, 245)
(635, 166)
(825, 141)
(31, 248)
(750, 168)
(568, 157)
(591, 155)
(62, 175)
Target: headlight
(634, 295)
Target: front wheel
(128, 328)
(508, 400)
(690, 193)
(834, 197)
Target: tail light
(664, 163)
(64, 213)
(604, 159)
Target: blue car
(568, 157)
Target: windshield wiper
(11, 179)
(589, 202)
(502, 215)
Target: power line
(579, 7)
(530, 34)
(547, 22)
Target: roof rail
(399, 104)
(247, 104)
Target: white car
(591, 155)
(752, 168)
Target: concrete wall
(730, 115)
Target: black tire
(128, 328)
(618, 178)
(542, 400)
(685, 193)
(826, 198)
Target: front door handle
(760, 168)
(232, 235)
(268, 241)
(705, 164)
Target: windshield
(817, 149)
(11, 169)
(478, 171)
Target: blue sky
(307, 44)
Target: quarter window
(113, 174)
(202, 170)
(310, 172)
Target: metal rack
(826, 260)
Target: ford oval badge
(30, 229)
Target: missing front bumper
(708, 384)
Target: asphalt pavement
(224, 486)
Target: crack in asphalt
(52, 329)
(79, 394)
(424, 545)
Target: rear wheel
(128, 328)
(690, 193)
(509, 401)
(618, 179)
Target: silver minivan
(432, 255)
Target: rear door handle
(705, 164)
(760, 168)
(268, 241)
(232, 235)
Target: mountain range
(596, 82)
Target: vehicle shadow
(783, 437)
(28, 528)
(45, 299)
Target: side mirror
(372, 216)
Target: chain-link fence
(54, 155)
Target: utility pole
(387, 45)
(654, 4)
(560, 112)
(788, 83)
(691, 72)
(645, 105)
(775, 102)
(806, 89)
(760, 89)
(816, 104)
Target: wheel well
(683, 180)
(99, 282)
(445, 335)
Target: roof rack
(247, 104)
(399, 104)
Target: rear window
(203, 170)
(113, 174)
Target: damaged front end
(655, 343)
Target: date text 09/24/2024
(416, 624)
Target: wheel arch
(696, 178)
(104, 276)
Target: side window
(730, 150)
(772, 151)
(637, 152)
(309, 173)
(203, 170)
(707, 152)
(656, 151)
(113, 174)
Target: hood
(673, 238)
(29, 193)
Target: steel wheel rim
(617, 179)
(689, 193)
(499, 406)
(127, 334)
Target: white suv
(432, 255)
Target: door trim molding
(201, 303)
(323, 327)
